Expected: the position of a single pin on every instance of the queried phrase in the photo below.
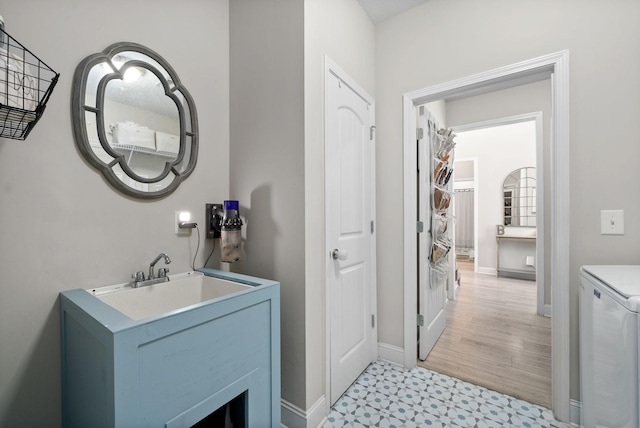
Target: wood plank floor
(495, 339)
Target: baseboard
(294, 417)
(546, 311)
(487, 271)
(391, 353)
(317, 414)
(575, 412)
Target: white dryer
(609, 306)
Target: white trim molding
(390, 353)
(556, 67)
(576, 413)
(295, 417)
(292, 416)
(487, 270)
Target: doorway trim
(537, 118)
(556, 67)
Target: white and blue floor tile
(389, 396)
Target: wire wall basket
(26, 83)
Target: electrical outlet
(213, 220)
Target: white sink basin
(182, 290)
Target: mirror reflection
(519, 192)
(134, 120)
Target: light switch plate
(612, 222)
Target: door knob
(339, 254)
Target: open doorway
(495, 336)
(554, 66)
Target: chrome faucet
(138, 279)
(167, 260)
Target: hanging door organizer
(26, 84)
(441, 145)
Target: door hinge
(420, 320)
(372, 130)
(420, 227)
(372, 227)
(420, 133)
(373, 320)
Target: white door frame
(556, 66)
(331, 67)
(540, 225)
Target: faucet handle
(162, 272)
(138, 276)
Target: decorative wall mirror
(134, 121)
(519, 192)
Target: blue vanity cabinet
(175, 369)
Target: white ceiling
(379, 10)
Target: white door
(431, 287)
(350, 241)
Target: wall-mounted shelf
(136, 149)
(26, 83)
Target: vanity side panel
(87, 371)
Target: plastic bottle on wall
(231, 236)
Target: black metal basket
(26, 84)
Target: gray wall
(61, 226)
(267, 161)
(465, 37)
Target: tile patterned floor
(390, 396)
